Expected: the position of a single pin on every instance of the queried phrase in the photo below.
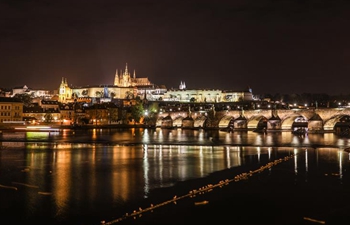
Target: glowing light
(43, 128)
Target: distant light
(42, 128)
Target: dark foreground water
(89, 176)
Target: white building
(206, 95)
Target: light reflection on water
(93, 172)
(175, 136)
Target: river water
(89, 176)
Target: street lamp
(146, 117)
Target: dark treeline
(322, 100)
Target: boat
(299, 131)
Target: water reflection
(176, 136)
(77, 171)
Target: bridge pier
(240, 123)
(315, 126)
(274, 124)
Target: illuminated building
(206, 95)
(10, 110)
(125, 79)
(125, 87)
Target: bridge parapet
(276, 118)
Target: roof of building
(5, 99)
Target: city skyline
(269, 46)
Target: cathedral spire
(134, 74)
(116, 78)
(126, 68)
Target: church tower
(116, 78)
(182, 85)
(123, 79)
(126, 77)
(65, 92)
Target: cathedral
(125, 79)
(125, 86)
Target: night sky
(272, 46)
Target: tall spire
(126, 68)
(116, 78)
(134, 74)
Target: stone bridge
(311, 120)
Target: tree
(85, 92)
(129, 95)
(98, 94)
(25, 98)
(113, 114)
(74, 95)
(48, 117)
(137, 111)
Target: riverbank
(60, 127)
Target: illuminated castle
(124, 86)
(125, 79)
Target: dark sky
(272, 46)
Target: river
(88, 176)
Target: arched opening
(159, 121)
(258, 123)
(300, 125)
(339, 124)
(342, 126)
(199, 122)
(178, 121)
(295, 122)
(225, 122)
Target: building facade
(125, 87)
(32, 92)
(10, 110)
(206, 95)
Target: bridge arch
(178, 121)
(338, 123)
(225, 121)
(167, 122)
(294, 122)
(257, 122)
(199, 121)
(187, 122)
(159, 121)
